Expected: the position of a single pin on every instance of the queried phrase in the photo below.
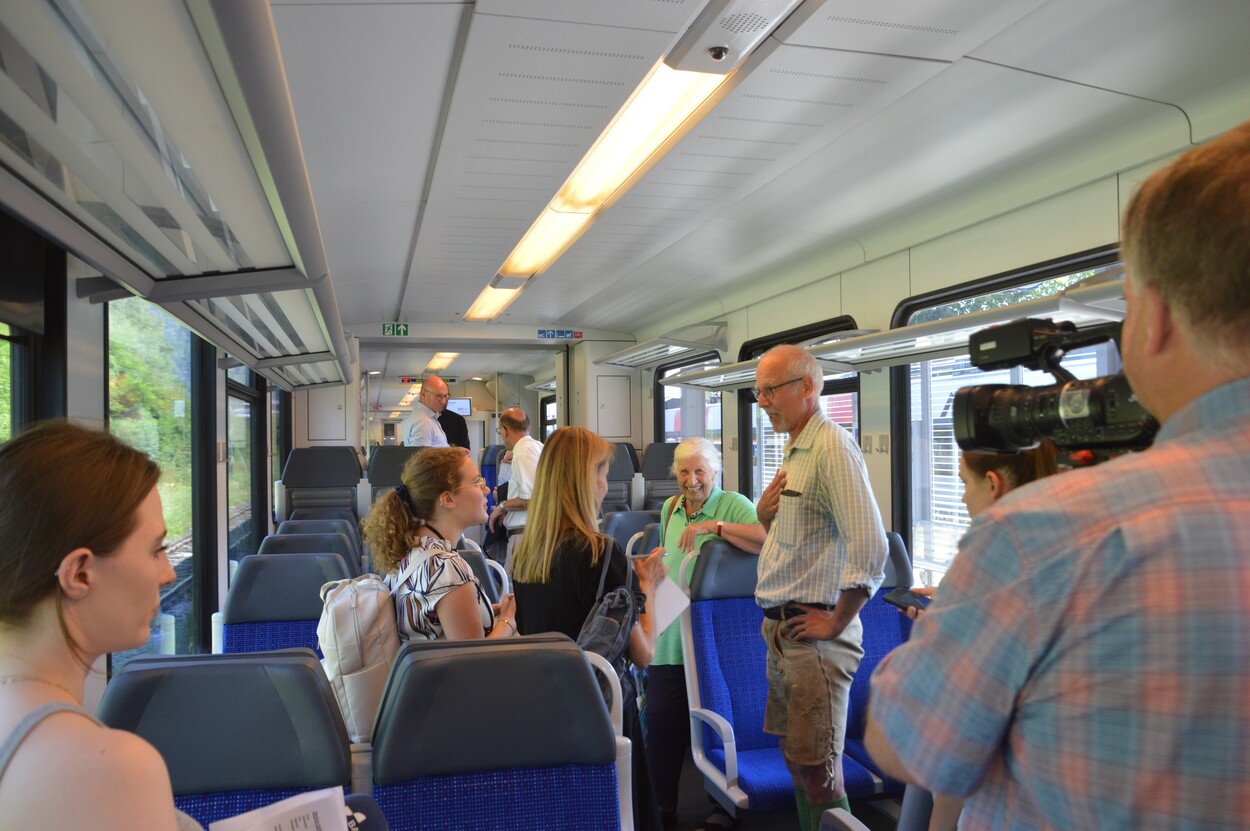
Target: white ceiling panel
(1164, 50)
(658, 15)
(938, 29)
(368, 83)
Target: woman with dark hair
(556, 569)
(412, 531)
(83, 557)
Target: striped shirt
(827, 536)
(1086, 663)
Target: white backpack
(359, 639)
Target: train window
(150, 408)
(682, 413)
(6, 382)
(839, 399)
(246, 490)
(550, 415)
(934, 493)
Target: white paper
(668, 602)
(322, 810)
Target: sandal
(719, 820)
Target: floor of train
(694, 806)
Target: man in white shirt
(425, 431)
(514, 429)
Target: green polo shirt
(720, 506)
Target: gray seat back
(337, 543)
(322, 526)
(322, 477)
(657, 474)
(385, 466)
(227, 723)
(620, 477)
(279, 587)
(621, 525)
(555, 713)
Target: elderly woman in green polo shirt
(702, 511)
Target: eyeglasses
(441, 397)
(770, 390)
(478, 483)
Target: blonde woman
(556, 569)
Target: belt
(516, 532)
(792, 609)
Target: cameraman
(1086, 662)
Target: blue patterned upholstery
(563, 798)
(446, 755)
(267, 635)
(237, 732)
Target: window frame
(254, 394)
(900, 385)
(659, 429)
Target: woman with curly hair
(413, 529)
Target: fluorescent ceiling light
(546, 239)
(441, 361)
(375, 372)
(661, 110)
(654, 113)
(491, 303)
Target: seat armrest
(838, 819)
(724, 730)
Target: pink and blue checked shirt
(1086, 664)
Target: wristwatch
(720, 528)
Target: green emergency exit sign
(394, 330)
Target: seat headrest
(441, 711)
(624, 463)
(274, 587)
(318, 526)
(386, 464)
(657, 461)
(897, 562)
(621, 525)
(723, 570)
(321, 467)
(234, 722)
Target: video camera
(1100, 414)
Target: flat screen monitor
(464, 406)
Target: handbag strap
(667, 516)
(413, 565)
(603, 572)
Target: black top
(562, 604)
(455, 428)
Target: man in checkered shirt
(1086, 662)
(823, 558)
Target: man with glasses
(425, 431)
(823, 558)
(514, 429)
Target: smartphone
(905, 599)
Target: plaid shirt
(1086, 663)
(827, 535)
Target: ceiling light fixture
(674, 96)
(441, 361)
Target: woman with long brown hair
(82, 551)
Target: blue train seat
(237, 732)
(318, 477)
(322, 526)
(884, 629)
(726, 683)
(488, 464)
(620, 478)
(545, 761)
(339, 544)
(621, 525)
(274, 601)
(659, 483)
(385, 466)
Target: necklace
(6, 680)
